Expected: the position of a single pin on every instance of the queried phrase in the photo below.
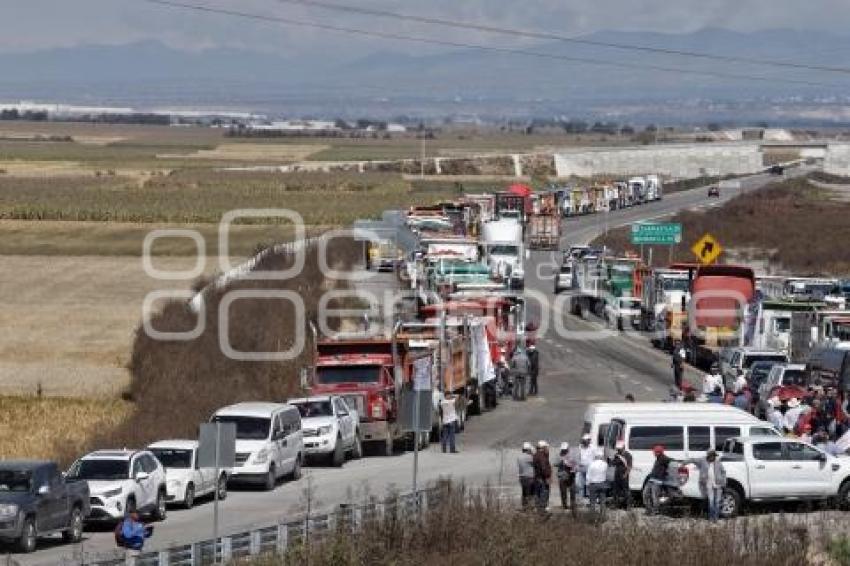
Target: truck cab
(623, 313)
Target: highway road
(580, 364)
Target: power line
(473, 46)
(557, 37)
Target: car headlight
(323, 430)
(261, 457)
(111, 493)
(8, 511)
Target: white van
(683, 433)
(269, 441)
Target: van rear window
(645, 437)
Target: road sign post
(656, 233)
(216, 449)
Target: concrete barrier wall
(678, 161)
(837, 159)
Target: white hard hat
(526, 446)
(586, 436)
(542, 444)
(565, 446)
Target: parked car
(122, 481)
(737, 361)
(714, 191)
(35, 500)
(269, 441)
(331, 429)
(684, 434)
(777, 469)
(186, 479)
(564, 277)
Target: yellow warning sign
(707, 249)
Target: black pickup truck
(35, 500)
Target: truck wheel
(160, 511)
(74, 533)
(271, 478)
(843, 502)
(338, 455)
(29, 537)
(189, 499)
(730, 503)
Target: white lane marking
(647, 387)
(635, 382)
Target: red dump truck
(369, 374)
(718, 310)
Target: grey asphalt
(580, 364)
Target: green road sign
(657, 233)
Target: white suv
(330, 428)
(187, 480)
(121, 481)
(269, 443)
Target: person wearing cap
(712, 481)
(773, 415)
(657, 477)
(542, 475)
(520, 367)
(533, 368)
(622, 462)
(597, 481)
(525, 469)
(713, 380)
(678, 364)
(566, 471)
(585, 458)
(792, 415)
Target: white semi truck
(504, 251)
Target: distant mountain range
(151, 74)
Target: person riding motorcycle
(657, 478)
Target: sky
(40, 24)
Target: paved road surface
(585, 365)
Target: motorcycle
(666, 495)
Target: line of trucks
(607, 196)
(707, 307)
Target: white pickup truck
(331, 428)
(766, 468)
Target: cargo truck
(504, 251)
(544, 232)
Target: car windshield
(566, 269)
(504, 250)
(315, 409)
(349, 374)
(760, 370)
(675, 285)
(173, 458)
(794, 377)
(750, 360)
(97, 469)
(629, 304)
(247, 428)
(15, 480)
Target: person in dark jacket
(533, 369)
(519, 370)
(678, 364)
(133, 535)
(566, 471)
(622, 463)
(542, 475)
(657, 477)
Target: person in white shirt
(448, 418)
(585, 458)
(774, 416)
(712, 381)
(792, 414)
(739, 384)
(597, 481)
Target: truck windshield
(675, 285)
(750, 360)
(247, 428)
(630, 304)
(173, 458)
(782, 324)
(350, 374)
(504, 250)
(794, 377)
(15, 480)
(315, 409)
(106, 470)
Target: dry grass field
(19, 439)
(281, 153)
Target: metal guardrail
(272, 538)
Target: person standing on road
(585, 458)
(533, 368)
(597, 482)
(131, 534)
(622, 468)
(520, 367)
(542, 475)
(525, 469)
(657, 477)
(448, 418)
(712, 381)
(712, 481)
(678, 364)
(566, 471)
